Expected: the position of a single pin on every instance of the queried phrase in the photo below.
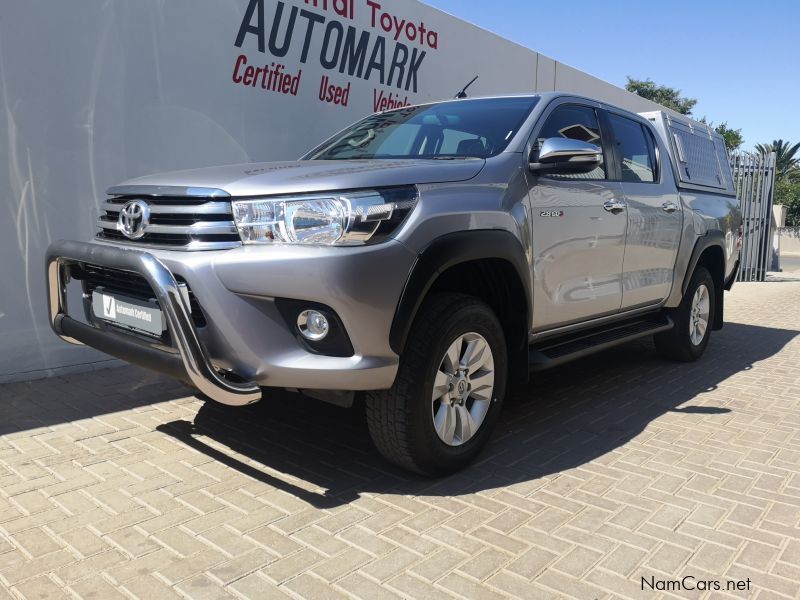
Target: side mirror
(566, 155)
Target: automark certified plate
(127, 312)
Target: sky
(740, 60)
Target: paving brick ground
(617, 468)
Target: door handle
(614, 206)
(669, 207)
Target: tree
(787, 192)
(671, 98)
(733, 137)
(786, 163)
(663, 95)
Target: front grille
(112, 280)
(127, 283)
(176, 222)
(197, 313)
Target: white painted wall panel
(573, 80)
(545, 74)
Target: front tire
(687, 341)
(449, 388)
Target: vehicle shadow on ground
(30, 405)
(564, 418)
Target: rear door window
(635, 151)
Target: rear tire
(449, 388)
(693, 318)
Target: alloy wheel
(698, 317)
(462, 389)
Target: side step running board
(551, 353)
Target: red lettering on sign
(271, 78)
(381, 102)
(242, 60)
(332, 93)
(401, 28)
(343, 8)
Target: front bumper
(245, 337)
(189, 362)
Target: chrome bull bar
(192, 360)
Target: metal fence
(754, 178)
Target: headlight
(346, 219)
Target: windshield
(457, 129)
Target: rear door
(654, 214)
(579, 227)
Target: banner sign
(389, 52)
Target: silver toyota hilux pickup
(427, 257)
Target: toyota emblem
(133, 219)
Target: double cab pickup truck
(426, 258)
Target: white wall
(789, 240)
(97, 91)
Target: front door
(579, 223)
(654, 215)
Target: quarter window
(578, 123)
(636, 154)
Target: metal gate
(754, 178)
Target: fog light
(313, 325)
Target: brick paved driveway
(622, 466)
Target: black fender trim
(732, 277)
(447, 251)
(711, 239)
